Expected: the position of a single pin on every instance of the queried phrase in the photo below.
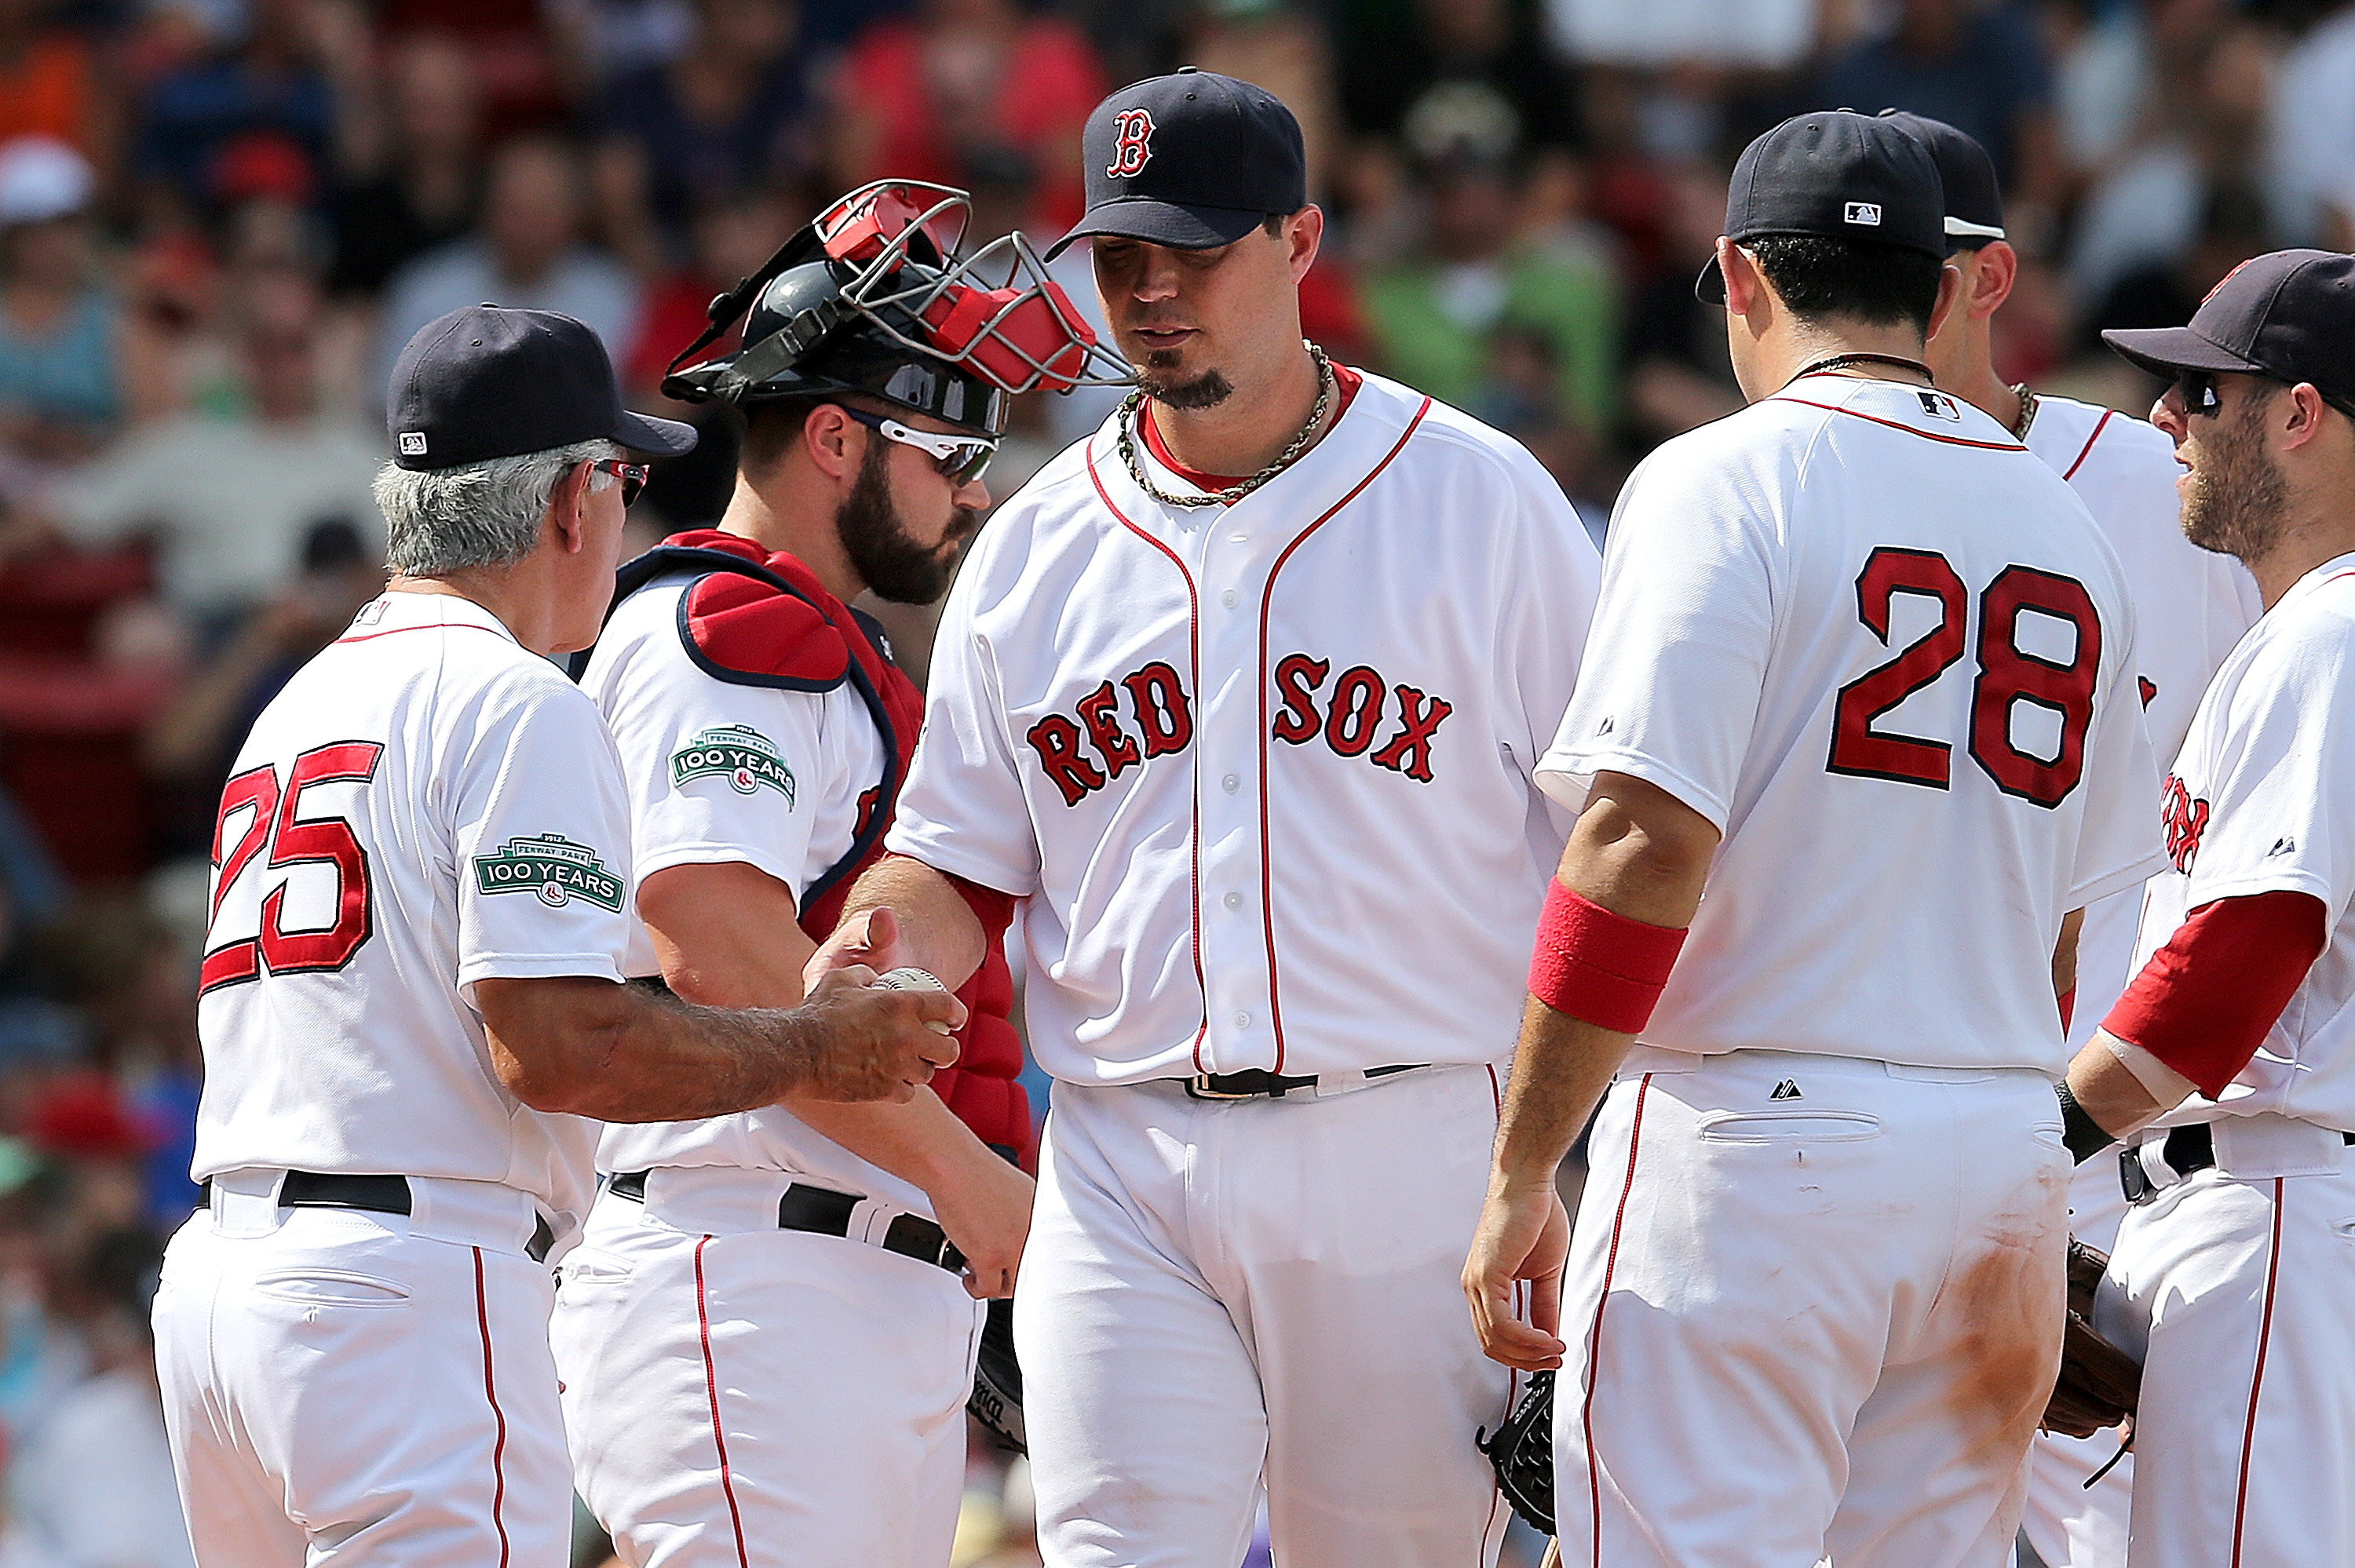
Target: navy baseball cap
(2287, 314)
(1837, 174)
(488, 382)
(1193, 160)
(1974, 198)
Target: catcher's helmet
(872, 298)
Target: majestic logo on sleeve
(551, 867)
(1084, 756)
(2186, 819)
(1132, 146)
(1354, 713)
(738, 753)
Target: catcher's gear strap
(1597, 966)
(2206, 1001)
(997, 1399)
(1522, 1454)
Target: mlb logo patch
(1866, 213)
(1938, 406)
(413, 443)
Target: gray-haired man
(411, 1004)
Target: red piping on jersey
(2083, 452)
(1594, 1338)
(436, 626)
(2258, 1378)
(1892, 424)
(711, 1385)
(491, 1391)
(1194, 674)
(1267, 603)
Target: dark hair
(771, 425)
(1817, 276)
(1273, 227)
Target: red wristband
(1599, 967)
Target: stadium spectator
(1389, 72)
(51, 84)
(409, 164)
(729, 113)
(61, 385)
(2310, 155)
(232, 498)
(528, 253)
(921, 99)
(267, 88)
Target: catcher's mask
(872, 298)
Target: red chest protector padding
(763, 620)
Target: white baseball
(909, 978)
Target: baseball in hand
(913, 979)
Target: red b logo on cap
(1133, 146)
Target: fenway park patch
(738, 753)
(552, 867)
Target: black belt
(822, 1211)
(376, 1195)
(1253, 1083)
(2187, 1150)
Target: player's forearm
(921, 1142)
(938, 930)
(1643, 856)
(2118, 1099)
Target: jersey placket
(1232, 547)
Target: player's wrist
(2084, 1136)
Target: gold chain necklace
(1124, 422)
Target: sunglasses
(2196, 390)
(632, 476)
(962, 459)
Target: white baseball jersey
(425, 805)
(2252, 806)
(720, 772)
(2191, 605)
(1889, 656)
(1262, 771)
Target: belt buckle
(1197, 1087)
(2133, 1178)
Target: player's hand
(1524, 1235)
(985, 1207)
(869, 939)
(873, 1043)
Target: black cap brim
(2163, 351)
(1166, 223)
(661, 438)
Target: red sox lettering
(1158, 708)
(2185, 819)
(1354, 713)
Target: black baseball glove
(2100, 1384)
(996, 1400)
(1522, 1453)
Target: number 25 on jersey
(2008, 675)
(271, 819)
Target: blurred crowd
(219, 220)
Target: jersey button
(1228, 598)
(1242, 1020)
(1234, 900)
(1230, 783)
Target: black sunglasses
(2196, 390)
(632, 476)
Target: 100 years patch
(551, 867)
(738, 753)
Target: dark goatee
(1207, 390)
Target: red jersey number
(292, 841)
(2007, 676)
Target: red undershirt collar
(1346, 383)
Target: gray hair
(478, 514)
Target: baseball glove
(996, 1400)
(2100, 1384)
(1522, 1454)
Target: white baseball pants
(740, 1397)
(1219, 1292)
(2073, 1525)
(2235, 1286)
(1813, 1306)
(346, 1388)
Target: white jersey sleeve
(542, 842)
(962, 809)
(1689, 577)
